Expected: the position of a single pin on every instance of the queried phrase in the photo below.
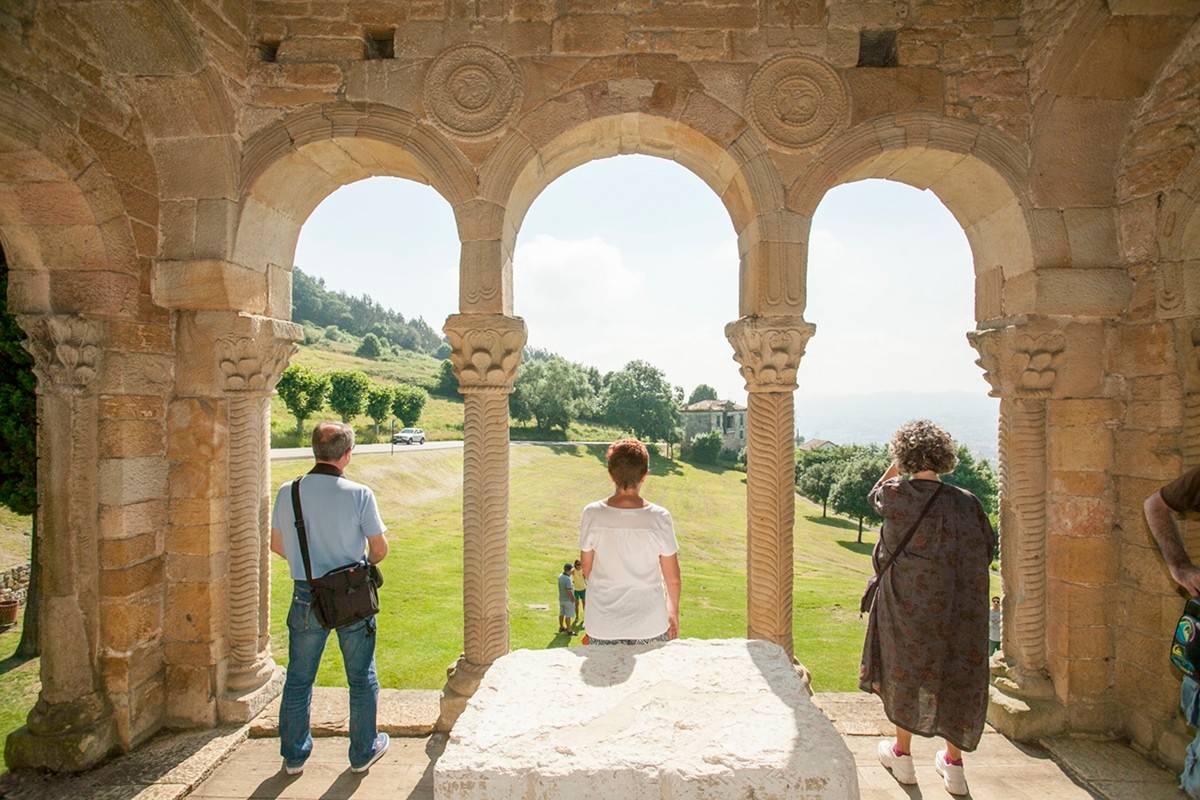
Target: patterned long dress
(926, 652)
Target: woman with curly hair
(629, 556)
(926, 651)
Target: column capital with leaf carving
(253, 364)
(485, 350)
(1021, 360)
(66, 350)
(769, 350)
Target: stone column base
(1022, 704)
(243, 706)
(462, 679)
(73, 750)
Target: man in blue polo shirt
(343, 526)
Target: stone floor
(224, 765)
(999, 770)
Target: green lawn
(420, 498)
(15, 543)
(18, 687)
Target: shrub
(334, 334)
(729, 454)
(371, 347)
(408, 402)
(706, 447)
(312, 334)
(447, 383)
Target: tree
(408, 402)
(849, 492)
(702, 392)
(348, 393)
(18, 442)
(371, 347)
(706, 447)
(303, 392)
(379, 404)
(447, 381)
(551, 391)
(816, 481)
(977, 477)
(640, 399)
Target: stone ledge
(645, 721)
(402, 712)
(167, 767)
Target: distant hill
(872, 418)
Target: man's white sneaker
(952, 774)
(381, 745)
(902, 767)
(293, 769)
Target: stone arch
(62, 219)
(289, 167)
(695, 131)
(977, 172)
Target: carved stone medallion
(472, 91)
(797, 102)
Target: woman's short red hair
(628, 462)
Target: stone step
(402, 712)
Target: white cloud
(581, 299)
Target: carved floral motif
(65, 350)
(1017, 364)
(252, 364)
(472, 90)
(769, 350)
(797, 102)
(485, 350)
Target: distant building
(817, 444)
(725, 416)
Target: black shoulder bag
(868, 598)
(341, 596)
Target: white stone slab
(689, 719)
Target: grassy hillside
(420, 495)
(442, 418)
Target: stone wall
(157, 159)
(15, 580)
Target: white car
(409, 436)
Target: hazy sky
(635, 257)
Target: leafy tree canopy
(848, 495)
(348, 393)
(18, 413)
(371, 347)
(702, 392)
(303, 392)
(640, 399)
(552, 391)
(379, 404)
(408, 402)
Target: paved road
(280, 453)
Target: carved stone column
(249, 367)
(71, 726)
(1021, 363)
(769, 350)
(486, 352)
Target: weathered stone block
(120, 438)
(655, 720)
(132, 480)
(119, 522)
(122, 582)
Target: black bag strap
(300, 531)
(911, 531)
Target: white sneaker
(381, 745)
(293, 769)
(952, 774)
(902, 767)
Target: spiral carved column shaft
(248, 661)
(769, 350)
(770, 515)
(485, 526)
(486, 350)
(1023, 489)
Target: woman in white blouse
(630, 557)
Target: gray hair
(332, 440)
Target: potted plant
(9, 605)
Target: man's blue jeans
(306, 643)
